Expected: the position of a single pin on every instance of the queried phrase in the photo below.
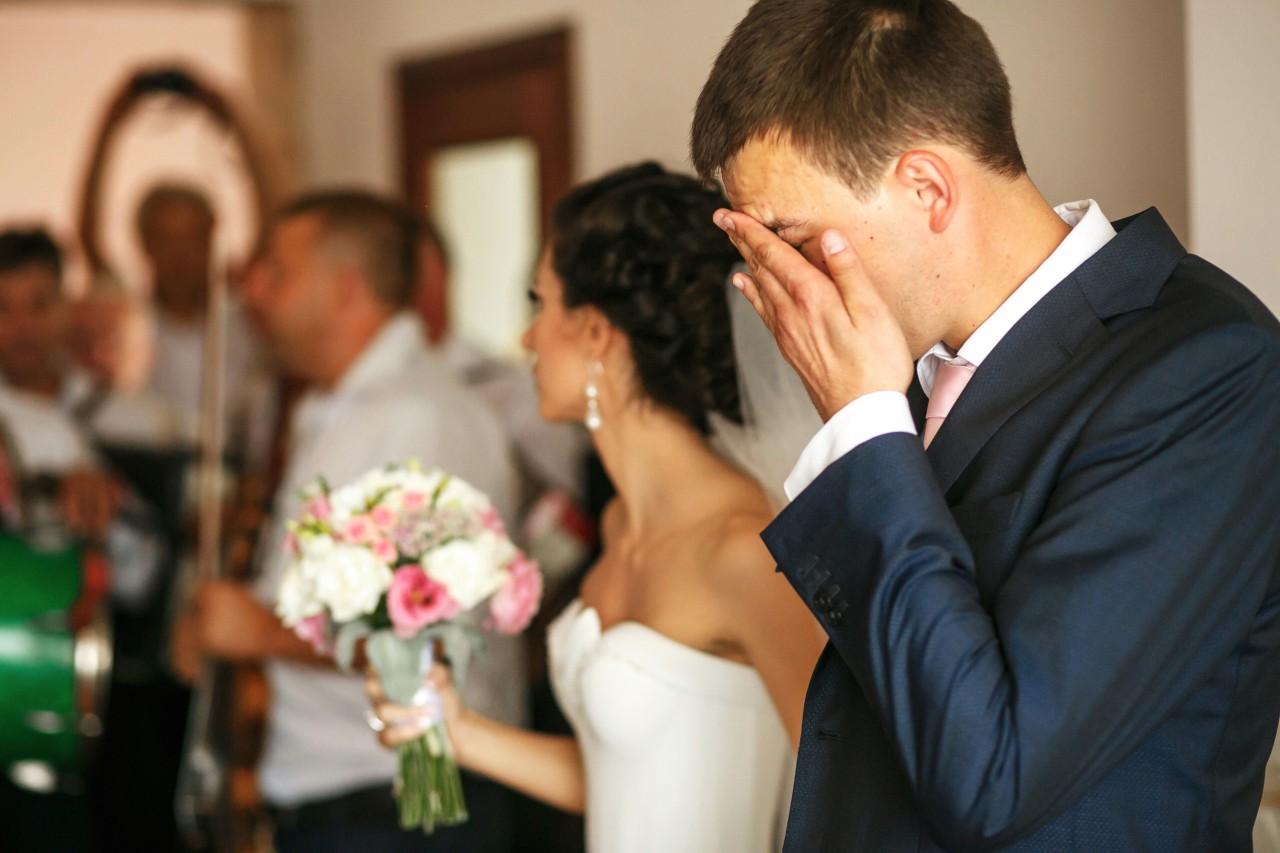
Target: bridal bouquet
(394, 558)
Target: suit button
(834, 618)
(821, 599)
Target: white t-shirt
(44, 439)
(138, 419)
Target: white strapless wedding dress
(684, 752)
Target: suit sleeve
(1144, 570)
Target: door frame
(516, 88)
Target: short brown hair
(855, 83)
(379, 233)
(23, 247)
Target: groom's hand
(833, 327)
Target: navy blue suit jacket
(1057, 629)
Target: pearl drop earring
(592, 391)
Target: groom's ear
(928, 181)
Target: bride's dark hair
(640, 246)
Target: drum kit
(55, 657)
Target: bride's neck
(657, 463)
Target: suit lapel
(1124, 275)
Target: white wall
(1234, 59)
(61, 61)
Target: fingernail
(739, 282)
(833, 243)
(724, 221)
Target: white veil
(778, 417)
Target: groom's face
(774, 182)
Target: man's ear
(931, 185)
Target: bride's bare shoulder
(735, 541)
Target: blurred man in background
(331, 302)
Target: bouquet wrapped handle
(428, 786)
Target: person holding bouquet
(331, 299)
(682, 666)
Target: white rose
(345, 503)
(466, 571)
(460, 494)
(314, 549)
(351, 582)
(498, 550)
(296, 600)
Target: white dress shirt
(882, 412)
(397, 402)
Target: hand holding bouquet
(394, 558)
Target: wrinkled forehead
(767, 172)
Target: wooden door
(514, 90)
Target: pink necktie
(947, 386)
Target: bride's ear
(598, 334)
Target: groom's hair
(853, 84)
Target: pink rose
(318, 507)
(315, 630)
(382, 517)
(414, 501)
(358, 529)
(492, 521)
(414, 601)
(514, 604)
(384, 550)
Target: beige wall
(638, 64)
(1172, 103)
(1099, 99)
(1099, 85)
(60, 62)
(1235, 138)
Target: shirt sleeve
(864, 418)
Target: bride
(683, 665)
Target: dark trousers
(367, 821)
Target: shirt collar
(1090, 231)
(398, 341)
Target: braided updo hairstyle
(639, 245)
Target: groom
(1055, 628)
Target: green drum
(55, 659)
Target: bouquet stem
(428, 788)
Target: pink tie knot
(947, 386)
